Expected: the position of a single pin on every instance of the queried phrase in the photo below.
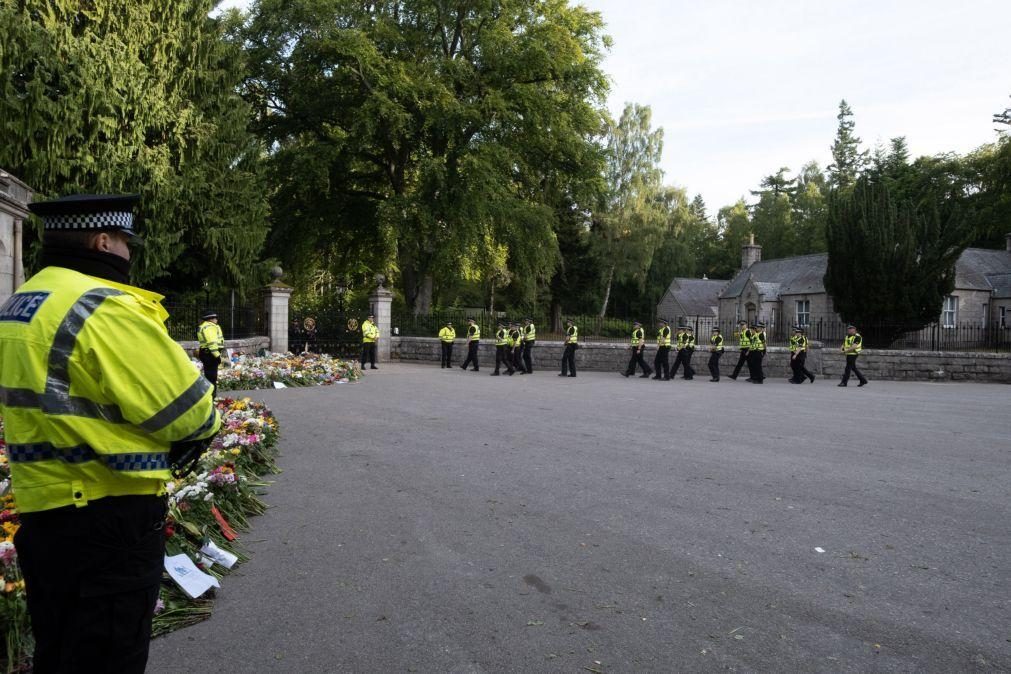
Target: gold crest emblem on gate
(352, 324)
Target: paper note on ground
(188, 577)
(278, 384)
(222, 557)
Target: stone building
(691, 300)
(791, 290)
(14, 199)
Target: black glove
(183, 456)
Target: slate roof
(697, 297)
(794, 275)
(976, 269)
(977, 266)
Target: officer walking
(502, 349)
(798, 356)
(569, 355)
(661, 363)
(100, 405)
(212, 343)
(689, 351)
(516, 346)
(529, 339)
(370, 335)
(715, 353)
(679, 358)
(744, 340)
(757, 354)
(473, 342)
(446, 337)
(638, 344)
(853, 344)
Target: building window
(804, 312)
(949, 315)
(737, 312)
(986, 315)
(773, 321)
(1003, 317)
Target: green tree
(809, 210)
(138, 96)
(891, 262)
(735, 229)
(847, 158)
(629, 223)
(423, 135)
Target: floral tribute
(208, 509)
(245, 373)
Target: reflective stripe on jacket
(93, 391)
(716, 341)
(530, 333)
(744, 338)
(853, 341)
(211, 338)
(502, 337)
(473, 334)
(663, 336)
(637, 336)
(572, 335)
(758, 341)
(370, 333)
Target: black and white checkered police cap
(96, 212)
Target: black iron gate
(329, 330)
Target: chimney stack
(752, 253)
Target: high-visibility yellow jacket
(572, 335)
(530, 333)
(473, 334)
(502, 337)
(211, 338)
(93, 391)
(370, 333)
(758, 341)
(447, 334)
(798, 343)
(744, 338)
(637, 336)
(854, 342)
(716, 343)
(515, 338)
(663, 336)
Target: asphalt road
(441, 521)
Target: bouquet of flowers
(307, 369)
(17, 642)
(207, 509)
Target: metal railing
(236, 322)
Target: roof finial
(752, 239)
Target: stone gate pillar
(276, 298)
(381, 302)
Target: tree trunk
(423, 301)
(417, 289)
(607, 292)
(491, 303)
(556, 316)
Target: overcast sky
(743, 87)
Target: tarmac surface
(433, 520)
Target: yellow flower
(236, 451)
(10, 528)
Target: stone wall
(875, 364)
(249, 345)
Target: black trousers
(689, 370)
(517, 358)
(755, 358)
(569, 360)
(740, 363)
(92, 576)
(210, 363)
(447, 354)
(503, 358)
(800, 371)
(714, 364)
(661, 362)
(369, 353)
(679, 361)
(851, 366)
(637, 359)
(528, 361)
(471, 355)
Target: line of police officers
(514, 343)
